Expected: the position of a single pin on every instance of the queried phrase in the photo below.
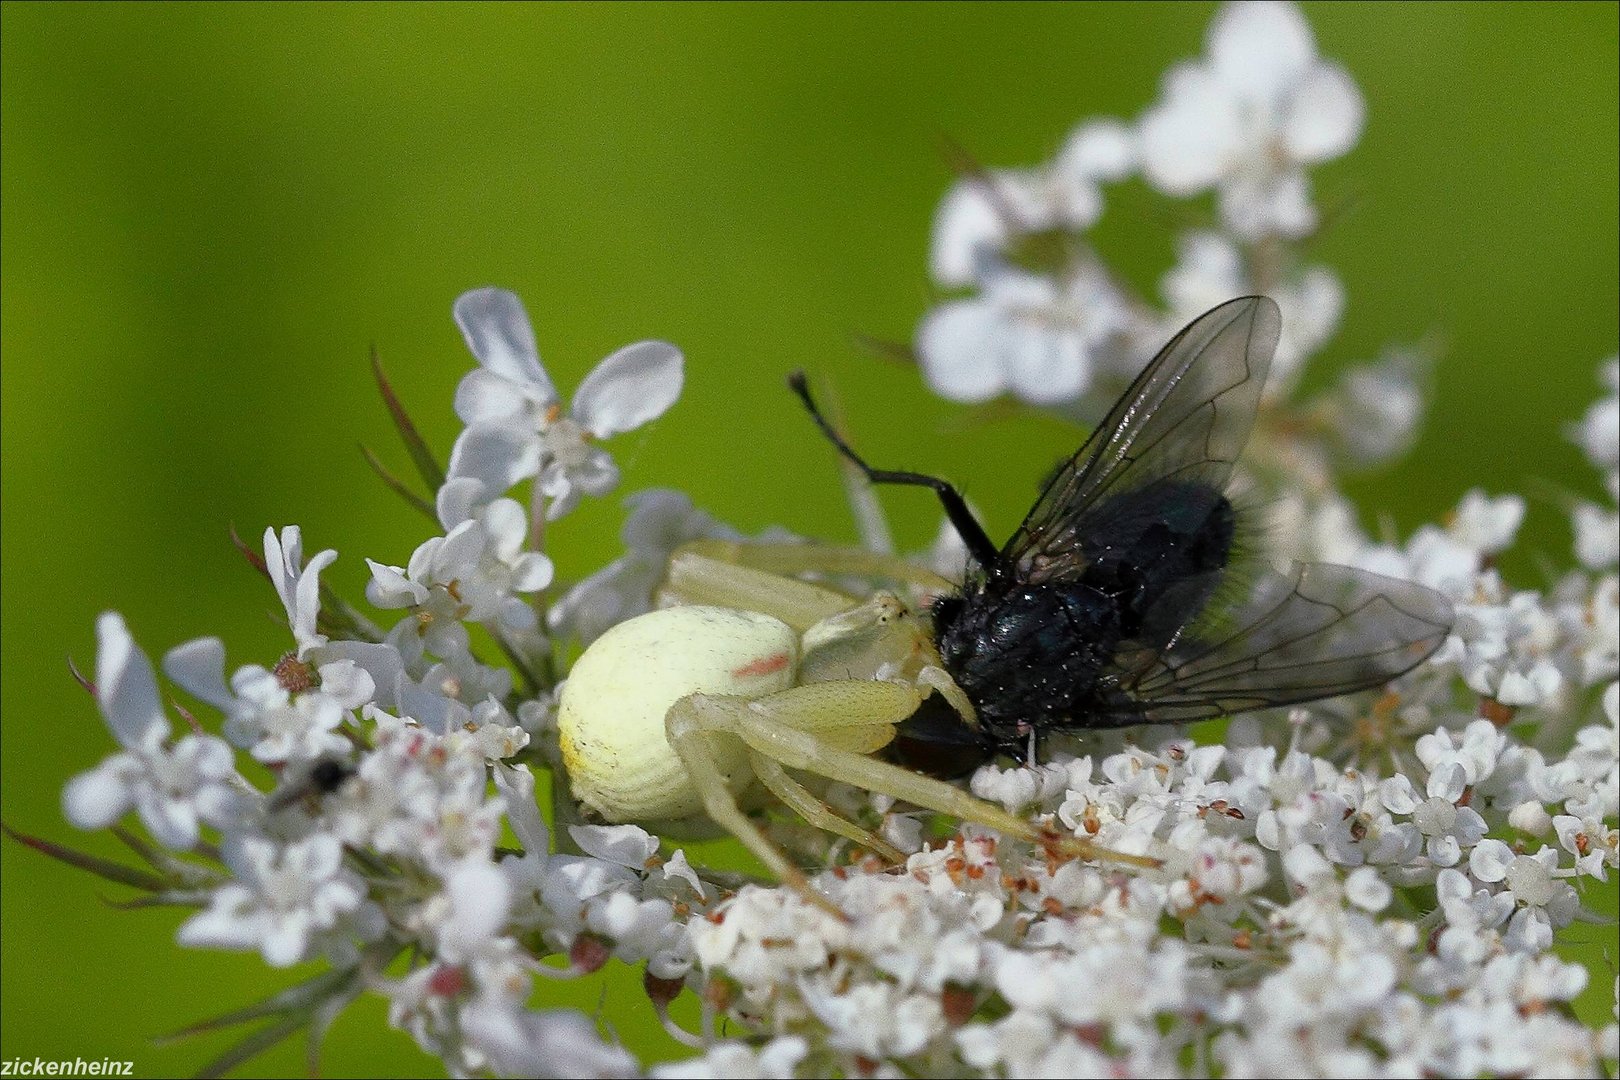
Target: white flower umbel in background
(1248, 119)
(1380, 885)
(1047, 322)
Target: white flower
(983, 215)
(776, 1060)
(297, 584)
(549, 1043)
(1458, 761)
(1598, 433)
(1485, 524)
(285, 901)
(417, 794)
(174, 787)
(1247, 120)
(1543, 902)
(1025, 334)
(1594, 843)
(516, 426)
(1503, 648)
(1450, 829)
(471, 574)
(1376, 409)
(1597, 536)
(1210, 269)
(262, 713)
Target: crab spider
(699, 710)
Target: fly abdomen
(1159, 551)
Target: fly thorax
(1027, 653)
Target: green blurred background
(210, 212)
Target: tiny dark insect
(1123, 597)
(323, 777)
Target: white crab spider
(690, 713)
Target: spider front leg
(830, 729)
(851, 717)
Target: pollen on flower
(294, 675)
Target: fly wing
(1319, 631)
(1184, 420)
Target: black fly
(1122, 598)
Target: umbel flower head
(1374, 885)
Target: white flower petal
(1448, 782)
(379, 660)
(283, 555)
(967, 225)
(1325, 115)
(563, 498)
(480, 897)
(172, 822)
(483, 397)
(458, 555)
(347, 683)
(507, 525)
(516, 785)
(304, 610)
(621, 845)
(199, 668)
(390, 588)
(1260, 47)
(515, 615)
(433, 711)
(126, 685)
(531, 572)
(500, 335)
(1099, 150)
(96, 799)
(1490, 859)
(956, 343)
(459, 499)
(1364, 888)
(1189, 139)
(678, 867)
(1254, 206)
(1045, 367)
(496, 454)
(633, 386)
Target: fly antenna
(956, 508)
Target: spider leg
(817, 813)
(786, 558)
(693, 578)
(689, 725)
(830, 729)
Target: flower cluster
(1044, 319)
(1361, 887)
(399, 754)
